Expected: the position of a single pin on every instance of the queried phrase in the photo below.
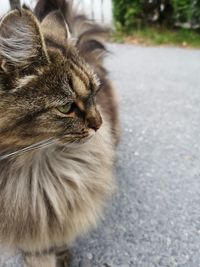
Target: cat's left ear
(21, 41)
(54, 27)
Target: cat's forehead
(84, 83)
(82, 79)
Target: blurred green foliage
(182, 10)
(187, 11)
(129, 14)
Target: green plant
(131, 14)
(127, 13)
(182, 10)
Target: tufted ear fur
(55, 28)
(21, 41)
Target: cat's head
(47, 91)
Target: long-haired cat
(58, 129)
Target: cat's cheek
(91, 133)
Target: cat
(59, 128)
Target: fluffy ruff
(50, 196)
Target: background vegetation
(159, 21)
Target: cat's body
(55, 191)
(50, 196)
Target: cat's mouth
(78, 138)
(91, 134)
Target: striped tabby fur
(58, 129)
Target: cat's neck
(13, 164)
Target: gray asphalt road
(154, 219)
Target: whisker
(38, 145)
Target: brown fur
(55, 171)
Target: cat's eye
(65, 109)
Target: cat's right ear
(21, 42)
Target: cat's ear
(21, 41)
(54, 27)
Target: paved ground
(154, 220)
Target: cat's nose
(94, 120)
